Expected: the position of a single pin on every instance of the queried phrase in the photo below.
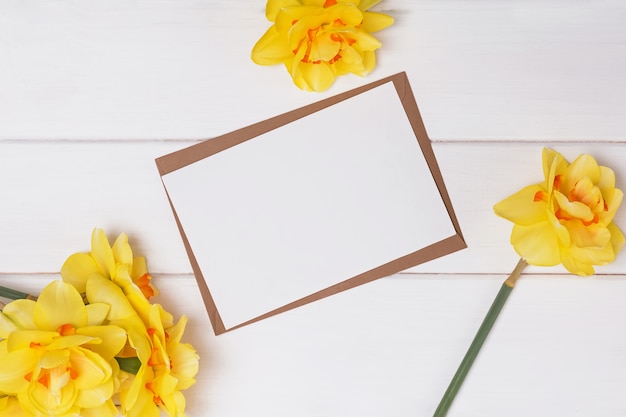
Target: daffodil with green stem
(149, 365)
(565, 219)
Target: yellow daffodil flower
(171, 367)
(167, 366)
(120, 312)
(56, 356)
(113, 262)
(567, 218)
(318, 40)
(10, 407)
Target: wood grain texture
(91, 92)
(485, 69)
(390, 348)
(55, 193)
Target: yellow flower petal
(137, 401)
(95, 397)
(607, 180)
(92, 369)
(176, 331)
(104, 291)
(38, 400)
(583, 166)
(54, 358)
(347, 12)
(613, 202)
(107, 409)
(24, 338)
(314, 3)
(537, 243)
(10, 407)
(355, 61)
(175, 403)
(77, 268)
(96, 313)
(271, 49)
(587, 236)
(113, 339)
(122, 275)
(301, 31)
(288, 16)
(138, 302)
(574, 209)
(526, 207)
(351, 60)
(15, 365)
(575, 266)
(365, 41)
(366, 4)
(593, 255)
(553, 164)
(315, 77)
(139, 267)
(165, 384)
(102, 252)
(325, 48)
(274, 6)
(72, 341)
(59, 303)
(137, 337)
(560, 230)
(185, 365)
(122, 253)
(121, 313)
(617, 238)
(20, 313)
(6, 326)
(373, 22)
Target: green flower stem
(130, 365)
(479, 339)
(12, 294)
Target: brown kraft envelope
(179, 159)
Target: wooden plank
(54, 194)
(391, 347)
(485, 70)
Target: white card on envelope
(308, 205)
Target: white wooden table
(92, 91)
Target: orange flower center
(336, 26)
(155, 397)
(541, 196)
(143, 282)
(157, 356)
(45, 375)
(66, 330)
(582, 192)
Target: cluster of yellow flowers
(93, 340)
(318, 40)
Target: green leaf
(130, 365)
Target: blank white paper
(308, 205)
